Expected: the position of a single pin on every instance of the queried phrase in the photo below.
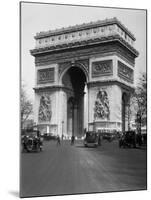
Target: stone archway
(105, 61)
(75, 79)
(65, 66)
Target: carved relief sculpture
(44, 109)
(125, 72)
(46, 75)
(102, 68)
(101, 109)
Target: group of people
(59, 140)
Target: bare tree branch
(26, 106)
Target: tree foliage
(138, 103)
(140, 96)
(26, 106)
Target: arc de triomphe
(84, 77)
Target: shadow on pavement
(80, 146)
(88, 147)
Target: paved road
(70, 169)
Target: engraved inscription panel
(102, 68)
(125, 72)
(46, 75)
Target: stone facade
(84, 73)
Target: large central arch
(75, 80)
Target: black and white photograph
(83, 99)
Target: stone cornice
(51, 88)
(110, 82)
(90, 84)
(85, 54)
(84, 26)
(83, 43)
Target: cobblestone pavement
(67, 169)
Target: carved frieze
(125, 72)
(44, 109)
(64, 56)
(101, 107)
(102, 68)
(45, 75)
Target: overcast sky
(44, 17)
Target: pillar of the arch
(125, 112)
(69, 119)
(123, 116)
(85, 108)
(61, 109)
(114, 120)
(75, 120)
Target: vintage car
(31, 141)
(109, 136)
(91, 138)
(128, 139)
(49, 136)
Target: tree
(141, 101)
(130, 112)
(137, 107)
(26, 106)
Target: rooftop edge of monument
(80, 27)
(81, 43)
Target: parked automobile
(91, 139)
(128, 139)
(49, 136)
(31, 141)
(109, 137)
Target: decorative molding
(44, 109)
(82, 32)
(123, 84)
(62, 67)
(83, 64)
(83, 43)
(85, 53)
(85, 26)
(45, 75)
(125, 72)
(51, 88)
(102, 68)
(101, 109)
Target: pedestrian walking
(72, 140)
(99, 140)
(62, 136)
(58, 140)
